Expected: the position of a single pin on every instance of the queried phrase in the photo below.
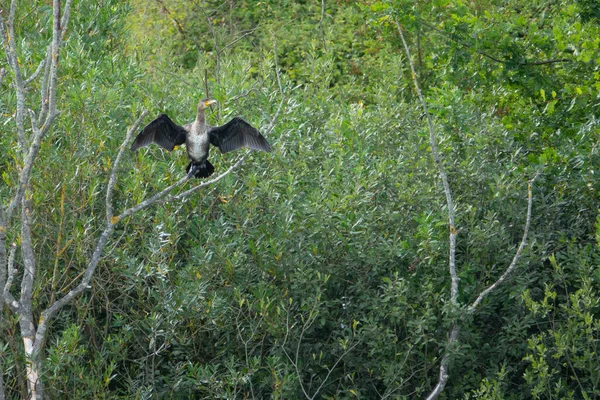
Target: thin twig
(321, 25)
(247, 33)
(330, 370)
(295, 362)
(217, 51)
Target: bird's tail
(201, 170)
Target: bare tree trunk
(452, 340)
(29, 148)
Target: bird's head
(204, 103)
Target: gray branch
(113, 175)
(453, 337)
(48, 91)
(515, 259)
(454, 332)
(10, 301)
(51, 311)
(7, 32)
(2, 75)
(29, 268)
(36, 73)
(56, 36)
(3, 255)
(44, 89)
(25, 175)
(7, 267)
(443, 375)
(443, 176)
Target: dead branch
(443, 175)
(515, 259)
(454, 332)
(12, 303)
(443, 375)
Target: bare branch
(113, 175)
(25, 175)
(330, 370)
(51, 71)
(29, 269)
(148, 202)
(54, 58)
(217, 51)
(36, 72)
(49, 313)
(7, 33)
(243, 94)
(305, 326)
(175, 21)
(513, 264)
(247, 33)
(453, 337)
(443, 175)
(443, 376)
(44, 87)
(8, 298)
(2, 75)
(545, 62)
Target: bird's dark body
(198, 136)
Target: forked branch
(455, 330)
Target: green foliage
(320, 269)
(561, 356)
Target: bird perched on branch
(198, 136)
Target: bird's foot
(191, 170)
(203, 170)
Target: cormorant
(198, 136)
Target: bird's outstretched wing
(236, 134)
(162, 131)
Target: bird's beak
(209, 102)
